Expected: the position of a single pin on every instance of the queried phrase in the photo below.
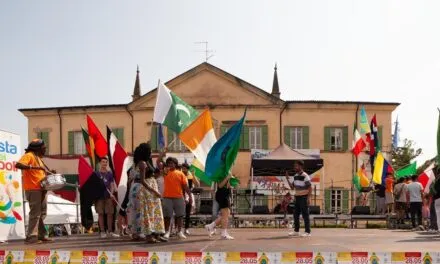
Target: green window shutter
(305, 137)
(345, 201)
(379, 136)
(287, 136)
(223, 130)
(265, 138)
(119, 133)
(327, 200)
(45, 137)
(244, 144)
(153, 139)
(71, 143)
(170, 138)
(327, 138)
(345, 138)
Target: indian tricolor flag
(358, 143)
(199, 136)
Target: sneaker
(103, 235)
(114, 235)
(211, 231)
(306, 235)
(294, 234)
(167, 235)
(181, 235)
(227, 237)
(187, 232)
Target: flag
(408, 170)
(381, 168)
(161, 138)
(360, 180)
(396, 134)
(90, 146)
(427, 177)
(358, 143)
(119, 163)
(199, 136)
(84, 171)
(222, 155)
(172, 111)
(98, 139)
(198, 170)
(374, 140)
(365, 126)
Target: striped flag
(119, 163)
(98, 139)
(365, 126)
(381, 168)
(199, 136)
(90, 146)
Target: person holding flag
(104, 205)
(222, 197)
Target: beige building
(321, 125)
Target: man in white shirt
(303, 188)
(415, 192)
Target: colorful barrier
(103, 257)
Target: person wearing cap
(33, 172)
(303, 189)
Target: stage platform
(255, 239)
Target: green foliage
(402, 156)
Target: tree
(402, 156)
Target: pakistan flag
(171, 111)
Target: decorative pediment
(207, 85)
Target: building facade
(326, 126)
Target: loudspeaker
(261, 209)
(360, 210)
(314, 209)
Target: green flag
(197, 170)
(172, 111)
(357, 183)
(408, 170)
(222, 155)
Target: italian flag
(199, 136)
(358, 143)
(172, 111)
(427, 178)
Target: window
(255, 138)
(296, 137)
(44, 135)
(336, 201)
(76, 143)
(174, 143)
(336, 138)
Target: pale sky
(61, 53)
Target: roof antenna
(208, 53)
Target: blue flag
(222, 155)
(161, 139)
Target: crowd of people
(407, 198)
(159, 197)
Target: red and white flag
(427, 177)
(119, 163)
(358, 143)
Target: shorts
(104, 206)
(389, 198)
(223, 202)
(173, 207)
